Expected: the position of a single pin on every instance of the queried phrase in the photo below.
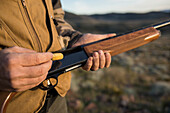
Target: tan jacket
(38, 26)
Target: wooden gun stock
(76, 57)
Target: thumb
(111, 35)
(103, 36)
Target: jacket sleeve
(70, 36)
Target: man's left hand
(98, 59)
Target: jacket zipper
(33, 29)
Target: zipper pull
(23, 3)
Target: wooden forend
(124, 43)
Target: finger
(17, 49)
(22, 84)
(88, 64)
(24, 88)
(32, 81)
(95, 65)
(26, 83)
(32, 59)
(101, 59)
(36, 71)
(108, 59)
(106, 35)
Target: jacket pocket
(7, 37)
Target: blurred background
(138, 81)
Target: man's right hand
(22, 69)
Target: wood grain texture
(124, 43)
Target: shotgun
(77, 57)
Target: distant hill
(166, 11)
(132, 16)
(114, 22)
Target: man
(29, 31)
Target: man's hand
(98, 59)
(23, 69)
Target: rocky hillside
(138, 81)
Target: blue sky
(120, 6)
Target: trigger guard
(48, 87)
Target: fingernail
(100, 52)
(95, 54)
(90, 58)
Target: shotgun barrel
(160, 25)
